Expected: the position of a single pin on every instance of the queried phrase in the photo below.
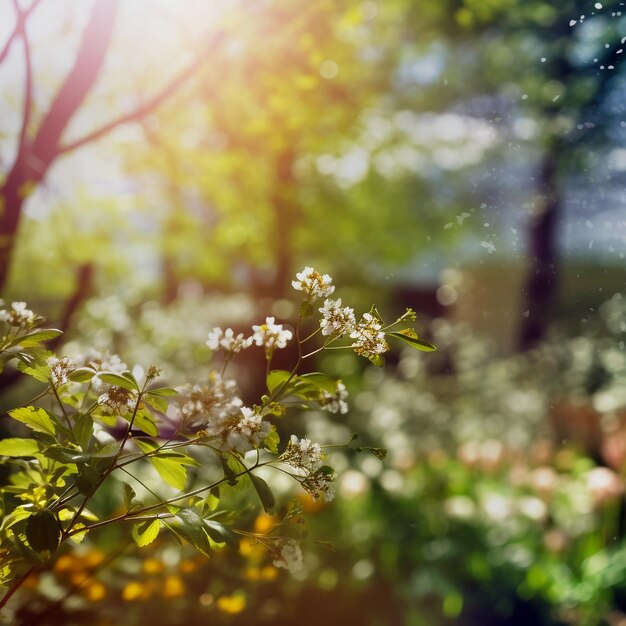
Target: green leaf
(172, 471)
(317, 381)
(35, 337)
(43, 532)
(129, 495)
(377, 359)
(414, 342)
(83, 429)
(18, 447)
(146, 532)
(144, 421)
(119, 381)
(82, 374)
(156, 402)
(195, 531)
(272, 441)
(220, 534)
(163, 391)
(38, 420)
(264, 492)
(276, 378)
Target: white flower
(303, 454)
(335, 402)
(117, 401)
(249, 431)
(101, 362)
(314, 284)
(290, 557)
(370, 340)
(18, 316)
(227, 341)
(210, 405)
(60, 369)
(336, 319)
(271, 335)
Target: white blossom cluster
(271, 335)
(370, 339)
(245, 431)
(198, 405)
(227, 341)
(290, 556)
(60, 369)
(18, 315)
(219, 412)
(335, 402)
(314, 284)
(117, 401)
(303, 454)
(336, 319)
(101, 362)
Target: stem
(67, 419)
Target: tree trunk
(35, 158)
(542, 284)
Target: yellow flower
(231, 604)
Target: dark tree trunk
(35, 158)
(542, 283)
(284, 222)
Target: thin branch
(22, 16)
(147, 107)
(28, 86)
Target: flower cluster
(335, 402)
(271, 335)
(290, 556)
(320, 485)
(245, 431)
(201, 405)
(336, 319)
(101, 362)
(303, 454)
(370, 339)
(314, 284)
(117, 401)
(60, 369)
(18, 315)
(227, 341)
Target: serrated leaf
(37, 419)
(144, 421)
(156, 402)
(377, 360)
(118, 380)
(264, 492)
(414, 342)
(171, 471)
(272, 441)
(146, 532)
(17, 446)
(43, 532)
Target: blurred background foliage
(166, 169)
